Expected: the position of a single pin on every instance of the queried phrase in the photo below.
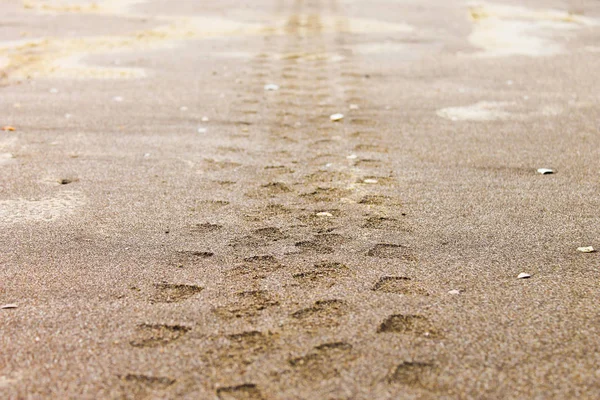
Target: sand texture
(181, 218)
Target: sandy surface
(169, 229)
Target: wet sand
(170, 229)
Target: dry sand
(267, 252)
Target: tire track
(317, 237)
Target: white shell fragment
(205, 119)
(545, 171)
(370, 181)
(8, 306)
(271, 87)
(118, 99)
(202, 130)
(523, 275)
(352, 157)
(336, 117)
(324, 214)
(588, 249)
(454, 292)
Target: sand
(268, 252)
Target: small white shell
(8, 306)
(370, 181)
(454, 292)
(352, 157)
(336, 117)
(588, 249)
(324, 214)
(271, 87)
(523, 275)
(202, 130)
(545, 171)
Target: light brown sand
(278, 254)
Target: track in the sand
(305, 282)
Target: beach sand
(171, 229)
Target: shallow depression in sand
(497, 110)
(6, 158)
(61, 57)
(502, 30)
(482, 111)
(48, 209)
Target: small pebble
(271, 87)
(8, 306)
(324, 214)
(588, 249)
(202, 130)
(370, 181)
(454, 292)
(545, 171)
(523, 275)
(336, 117)
(8, 128)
